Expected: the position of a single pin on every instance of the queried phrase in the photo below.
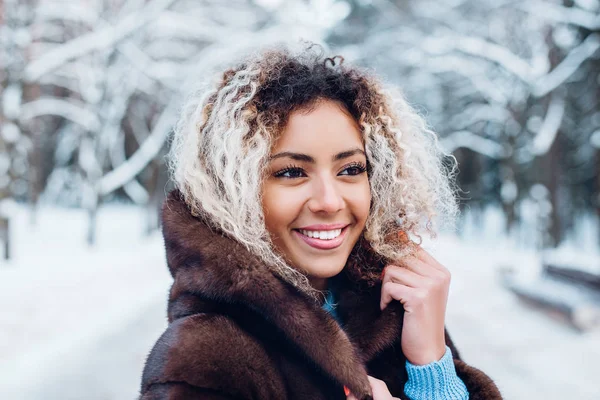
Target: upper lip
(324, 227)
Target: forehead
(326, 127)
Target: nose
(325, 197)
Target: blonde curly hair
(222, 142)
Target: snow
(99, 39)
(549, 129)
(591, 5)
(77, 322)
(70, 11)
(474, 142)
(68, 109)
(4, 164)
(479, 112)
(595, 139)
(126, 171)
(528, 354)
(58, 297)
(569, 15)
(568, 66)
(495, 53)
(11, 101)
(508, 191)
(137, 53)
(10, 132)
(269, 4)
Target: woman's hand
(421, 284)
(379, 389)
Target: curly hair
(222, 142)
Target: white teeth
(323, 235)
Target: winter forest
(91, 89)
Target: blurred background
(90, 90)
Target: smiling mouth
(323, 240)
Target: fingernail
(346, 391)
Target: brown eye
(354, 169)
(290, 173)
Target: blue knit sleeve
(435, 381)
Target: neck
(318, 283)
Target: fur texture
(237, 331)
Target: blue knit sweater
(434, 381)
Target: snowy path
(77, 323)
(528, 354)
(59, 301)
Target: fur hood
(215, 275)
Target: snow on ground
(78, 322)
(528, 354)
(59, 299)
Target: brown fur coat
(237, 331)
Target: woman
(299, 185)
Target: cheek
(361, 203)
(279, 208)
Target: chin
(324, 269)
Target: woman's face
(316, 196)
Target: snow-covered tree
(108, 78)
(91, 89)
(498, 81)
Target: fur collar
(217, 267)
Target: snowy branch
(479, 112)
(595, 139)
(48, 11)
(101, 39)
(133, 188)
(493, 52)
(161, 72)
(140, 159)
(60, 107)
(568, 15)
(59, 81)
(212, 57)
(545, 137)
(470, 70)
(173, 24)
(466, 139)
(568, 66)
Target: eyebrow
(309, 159)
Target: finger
(422, 268)
(395, 291)
(404, 276)
(424, 256)
(379, 388)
